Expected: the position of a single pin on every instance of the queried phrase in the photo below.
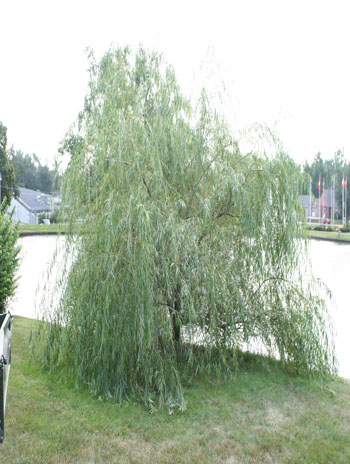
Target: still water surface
(330, 262)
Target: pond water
(330, 262)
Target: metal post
(333, 201)
(323, 200)
(331, 215)
(319, 200)
(308, 219)
(346, 195)
(342, 202)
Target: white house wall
(21, 214)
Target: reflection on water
(330, 262)
(36, 256)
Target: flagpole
(342, 201)
(319, 199)
(323, 200)
(321, 205)
(333, 200)
(331, 218)
(345, 195)
(310, 207)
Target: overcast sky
(284, 63)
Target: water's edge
(330, 262)
(44, 232)
(329, 239)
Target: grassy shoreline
(344, 237)
(264, 415)
(43, 229)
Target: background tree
(183, 249)
(31, 173)
(331, 170)
(8, 257)
(6, 169)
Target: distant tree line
(327, 172)
(31, 173)
(7, 180)
(23, 170)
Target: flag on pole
(343, 184)
(319, 184)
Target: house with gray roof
(31, 203)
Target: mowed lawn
(329, 235)
(263, 415)
(42, 228)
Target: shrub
(55, 217)
(8, 256)
(41, 217)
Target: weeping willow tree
(184, 249)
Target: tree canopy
(31, 173)
(9, 260)
(6, 169)
(183, 250)
(330, 171)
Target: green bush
(55, 217)
(42, 216)
(323, 228)
(8, 256)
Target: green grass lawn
(332, 235)
(264, 415)
(61, 228)
(37, 228)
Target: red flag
(318, 185)
(343, 184)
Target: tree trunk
(175, 308)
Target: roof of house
(37, 201)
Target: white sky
(284, 63)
